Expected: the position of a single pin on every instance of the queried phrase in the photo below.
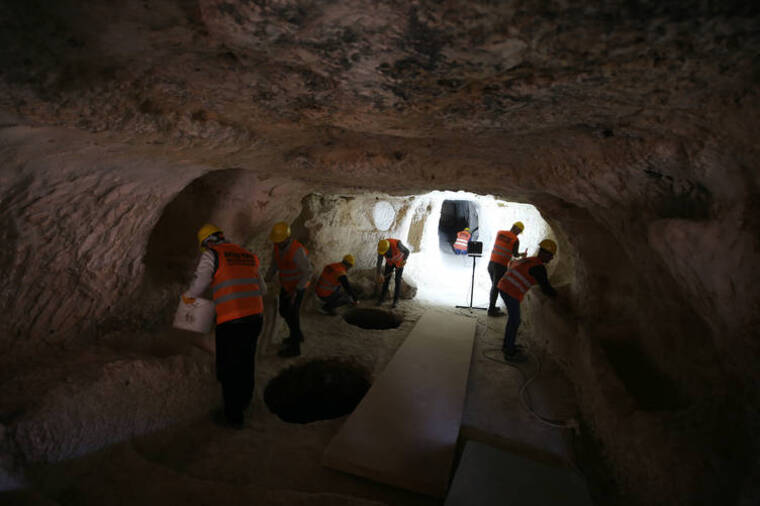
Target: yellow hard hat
(382, 246)
(519, 224)
(466, 229)
(548, 245)
(349, 259)
(280, 232)
(205, 231)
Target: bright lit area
(444, 278)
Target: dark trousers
(291, 312)
(496, 271)
(336, 299)
(513, 322)
(235, 358)
(397, 289)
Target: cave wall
(110, 221)
(631, 126)
(76, 219)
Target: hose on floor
(571, 423)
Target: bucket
(196, 317)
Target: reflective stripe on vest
(288, 270)
(329, 280)
(397, 256)
(463, 238)
(517, 281)
(503, 247)
(235, 284)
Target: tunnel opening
(456, 215)
(373, 319)
(443, 277)
(317, 390)
(650, 388)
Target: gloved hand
(380, 278)
(403, 263)
(188, 300)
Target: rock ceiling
(233, 72)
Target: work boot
(495, 312)
(395, 304)
(518, 349)
(328, 310)
(235, 420)
(290, 338)
(516, 356)
(289, 350)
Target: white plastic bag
(196, 317)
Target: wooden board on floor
(490, 477)
(405, 429)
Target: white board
(405, 429)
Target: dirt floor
(272, 462)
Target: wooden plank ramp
(404, 431)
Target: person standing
(395, 255)
(291, 260)
(232, 272)
(333, 287)
(505, 247)
(463, 238)
(513, 286)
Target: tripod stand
(472, 284)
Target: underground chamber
(317, 390)
(373, 319)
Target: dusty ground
(273, 462)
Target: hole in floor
(317, 390)
(376, 319)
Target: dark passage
(455, 216)
(376, 319)
(318, 390)
(652, 390)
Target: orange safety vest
(396, 255)
(289, 272)
(235, 284)
(463, 238)
(503, 247)
(516, 282)
(329, 279)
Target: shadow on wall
(172, 249)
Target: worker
(291, 260)
(395, 255)
(505, 247)
(513, 286)
(333, 287)
(232, 272)
(463, 238)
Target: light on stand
(474, 250)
